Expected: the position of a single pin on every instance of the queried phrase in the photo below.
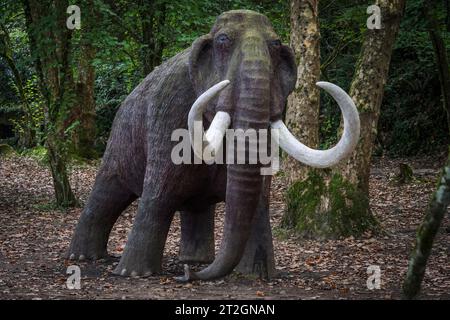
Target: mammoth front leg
(143, 252)
(107, 201)
(197, 236)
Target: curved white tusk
(345, 146)
(217, 130)
(214, 136)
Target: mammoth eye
(275, 43)
(223, 39)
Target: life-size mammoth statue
(237, 76)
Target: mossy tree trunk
(47, 20)
(367, 89)
(335, 203)
(426, 234)
(302, 114)
(84, 111)
(57, 157)
(406, 173)
(441, 198)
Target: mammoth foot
(82, 249)
(101, 257)
(124, 272)
(136, 265)
(87, 255)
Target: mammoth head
(243, 48)
(244, 74)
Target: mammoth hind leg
(197, 235)
(108, 199)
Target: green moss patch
(322, 208)
(6, 150)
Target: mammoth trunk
(244, 181)
(243, 188)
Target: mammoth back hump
(156, 107)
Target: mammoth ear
(287, 71)
(201, 64)
(285, 79)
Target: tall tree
(152, 14)
(338, 205)
(441, 198)
(84, 110)
(367, 89)
(302, 115)
(50, 42)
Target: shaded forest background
(127, 39)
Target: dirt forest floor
(34, 237)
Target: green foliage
(412, 118)
(38, 153)
(188, 20)
(32, 117)
(342, 26)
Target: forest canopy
(128, 39)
